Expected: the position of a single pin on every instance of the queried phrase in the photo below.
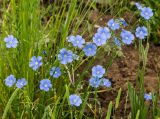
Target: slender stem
(69, 74)
(73, 74)
(9, 103)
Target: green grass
(25, 20)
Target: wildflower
(123, 22)
(75, 100)
(139, 6)
(21, 83)
(102, 35)
(55, 72)
(147, 96)
(78, 41)
(105, 82)
(141, 32)
(45, 85)
(127, 37)
(10, 80)
(44, 52)
(94, 82)
(113, 24)
(99, 40)
(105, 32)
(65, 56)
(98, 71)
(146, 13)
(11, 42)
(90, 49)
(117, 42)
(35, 62)
(71, 38)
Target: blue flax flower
(98, 71)
(11, 42)
(127, 37)
(139, 6)
(21, 83)
(113, 24)
(141, 32)
(147, 96)
(75, 100)
(94, 82)
(146, 13)
(55, 72)
(90, 49)
(105, 32)
(102, 35)
(65, 56)
(10, 80)
(78, 41)
(99, 40)
(117, 42)
(35, 62)
(71, 39)
(105, 82)
(45, 85)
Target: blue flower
(146, 13)
(78, 41)
(123, 22)
(98, 71)
(65, 56)
(55, 72)
(105, 32)
(113, 24)
(75, 100)
(127, 37)
(11, 42)
(44, 52)
(141, 32)
(10, 80)
(105, 82)
(71, 38)
(90, 49)
(102, 35)
(139, 6)
(94, 82)
(147, 96)
(45, 84)
(35, 62)
(21, 83)
(99, 40)
(117, 42)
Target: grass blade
(9, 103)
(109, 110)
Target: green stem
(9, 103)
(69, 74)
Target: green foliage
(109, 110)
(138, 108)
(118, 98)
(26, 20)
